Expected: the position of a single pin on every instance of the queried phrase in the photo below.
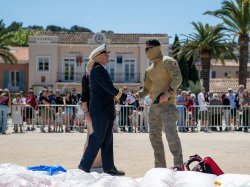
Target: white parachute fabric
(15, 175)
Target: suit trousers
(102, 137)
(98, 160)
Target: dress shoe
(115, 172)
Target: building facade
(15, 77)
(59, 59)
(230, 69)
(224, 76)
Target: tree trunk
(243, 74)
(205, 68)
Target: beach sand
(133, 151)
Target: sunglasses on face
(104, 53)
(146, 49)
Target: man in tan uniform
(162, 79)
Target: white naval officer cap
(97, 51)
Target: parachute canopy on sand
(15, 175)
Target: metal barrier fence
(48, 118)
(213, 117)
(131, 119)
(60, 118)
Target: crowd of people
(47, 109)
(60, 112)
(212, 109)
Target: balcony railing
(15, 88)
(116, 78)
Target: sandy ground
(133, 152)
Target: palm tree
(21, 37)
(236, 16)
(208, 42)
(5, 42)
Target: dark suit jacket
(85, 90)
(102, 92)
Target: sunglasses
(146, 49)
(104, 53)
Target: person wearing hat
(162, 79)
(215, 111)
(102, 114)
(85, 98)
(5, 103)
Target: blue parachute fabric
(51, 170)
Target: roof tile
(82, 37)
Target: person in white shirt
(203, 110)
(231, 96)
(23, 99)
(17, 112)
(59, 120)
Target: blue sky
(130, 16)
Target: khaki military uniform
(163, 77)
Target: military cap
(152, 43)
(97, 51)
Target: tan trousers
(164, 117)
(98, 160)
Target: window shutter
(119, 59)
(21, 82)
(6, 79)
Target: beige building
(58, 59)
(224, 76)
(230, 69)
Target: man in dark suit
(102, 113)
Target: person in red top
(189, 103)
(31, 102)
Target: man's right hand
(163, 99)
(130, 98)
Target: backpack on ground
(205, 165)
